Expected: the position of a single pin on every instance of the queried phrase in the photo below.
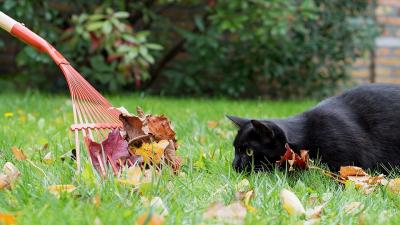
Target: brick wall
(386, 58)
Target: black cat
(359, 127)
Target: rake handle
(24, 34)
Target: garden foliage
(278, 48)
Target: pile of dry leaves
(144, 140)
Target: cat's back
(370, 112)
(371, 99)
(361, 126)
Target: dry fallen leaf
(394, 185)
(352, 207)
(170, 155)
(352, 175)
(150, 218)
(291, 203)
(293, 159)
(135, 176)
(7, 219)
(48, 158)
(4, 181)
(245, 194)
(133, 127)
(160, 127)
(96, 200)
(315, 213)
(151, 152)
(115, 149)
(61, 188)
(18, 153)
(234, 213)
(346, 171)
(10, 175)
(212, 124)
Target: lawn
(31, 120)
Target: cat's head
(258, 144)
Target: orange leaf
(212, 124)
(149, 218)
(7, 218)
(160, 127)
(346, 171)
(151, 152)
(18, 153)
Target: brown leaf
(233, 213)
(18, 153)
(150, 218)
(172, 159)
(160, 127)
(7, 219)
(346, 171)
(132, 125)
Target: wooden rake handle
(24, 34)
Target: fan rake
(94, 116)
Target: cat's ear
(263, 129)
(237, 120)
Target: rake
(94, 116)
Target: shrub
(278, 48)
(281, 48)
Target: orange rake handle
(21, 32)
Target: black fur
(359, 127)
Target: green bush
(281, 48)
(275, 48)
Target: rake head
(94, 116)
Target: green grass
(207, 174)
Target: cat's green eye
(249, 152)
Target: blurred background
(230, 48)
